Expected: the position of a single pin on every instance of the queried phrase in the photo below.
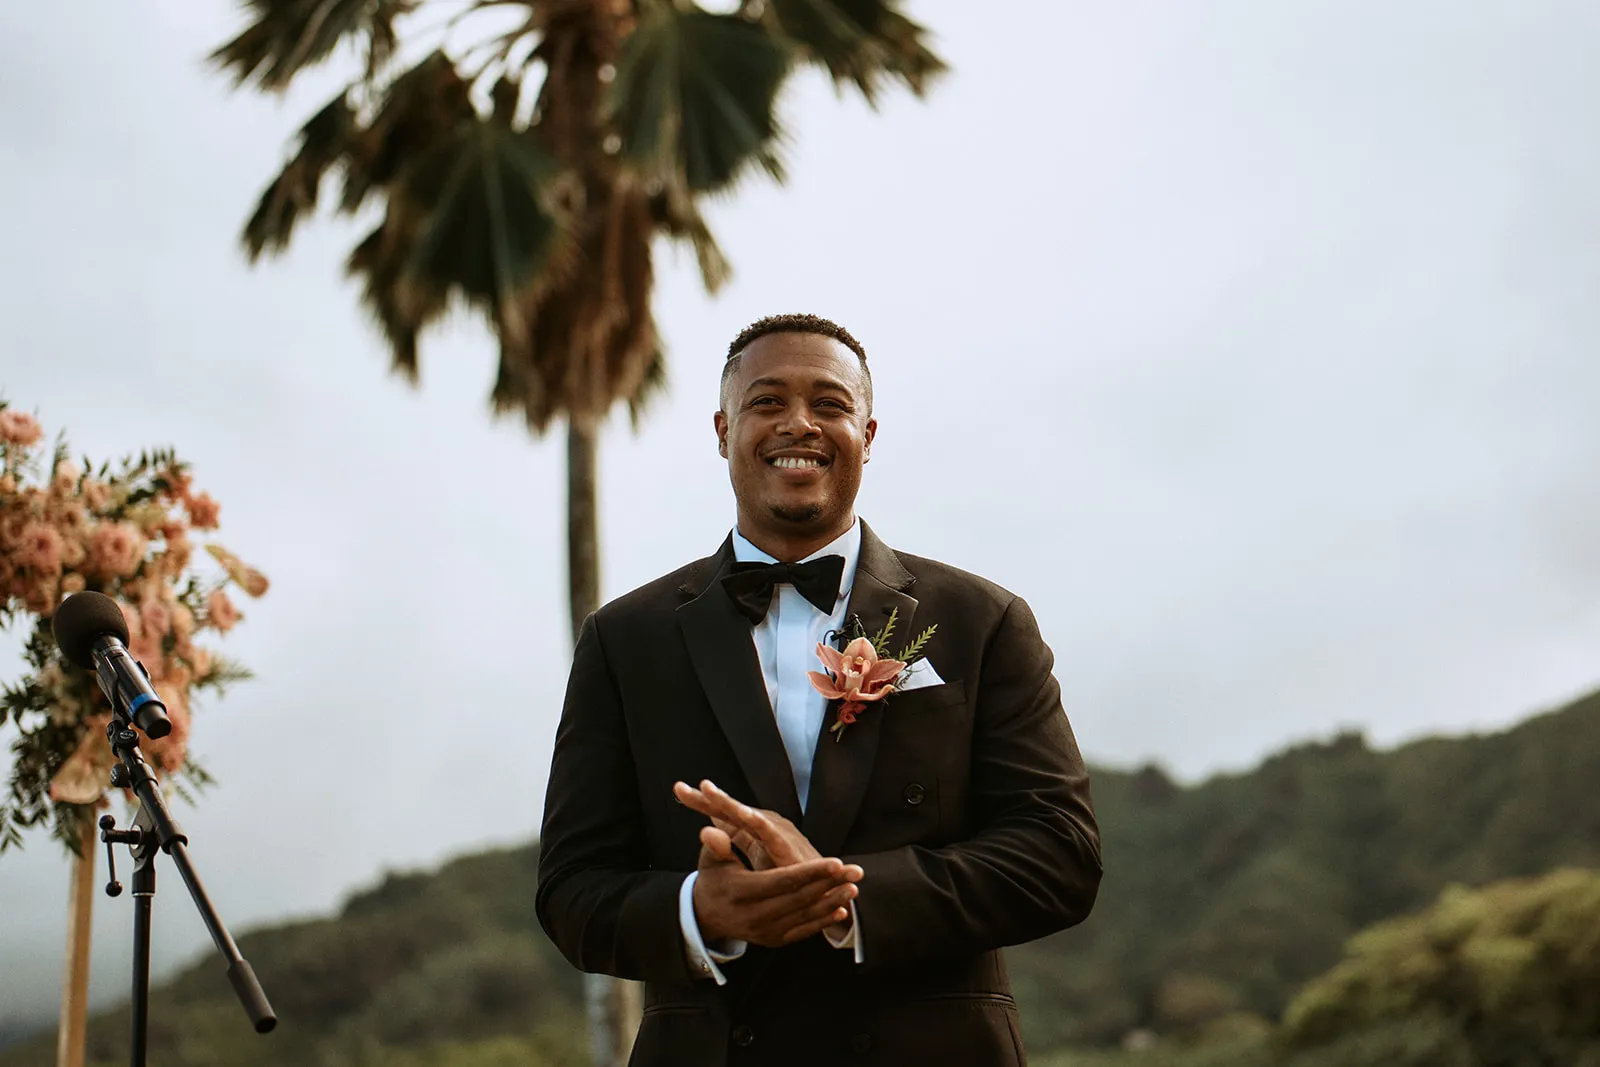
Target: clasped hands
(791, 892)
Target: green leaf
(489, 225)
(324, 142)
(857, 41)
(913, 652)
(694, 95)
(288, 36)
(880, 643)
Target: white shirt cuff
(703, 958)
(851, 938)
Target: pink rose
(116, 549)
(19, 428)
(220, 611)
(40, 548)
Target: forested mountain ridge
(1220, 901)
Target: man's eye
(763, 401)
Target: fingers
(718, 844)
(713, 803)
(832, 909)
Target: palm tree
(525, 170)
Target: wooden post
(75, 983)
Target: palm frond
(324, 142)
(857, 41)
(694, 97)
(285, 37)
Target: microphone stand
(153, 829)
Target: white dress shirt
(786, 644)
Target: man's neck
(791, 547)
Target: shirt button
(914, 793)
(742, 1036)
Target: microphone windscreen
(82, 619)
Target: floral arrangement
(66, 527)
(863, 672)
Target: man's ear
(720, 422)
(866, 440)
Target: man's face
(796, 432)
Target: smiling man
(866, 827)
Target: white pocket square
(920, 675)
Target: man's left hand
(766, 838)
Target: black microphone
(92, 633)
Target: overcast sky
(1253, 343)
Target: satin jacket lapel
(724, 658)
(841, 768)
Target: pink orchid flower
(855, 675)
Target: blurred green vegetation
(1226, 907)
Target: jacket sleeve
(1032, 864)
(598, 899)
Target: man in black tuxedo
(846, 897)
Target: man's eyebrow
(779, 383)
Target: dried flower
(19, 428)
(220, 611)
(203, 511)
(116, 549)
(39, 548)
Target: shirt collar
(847, 544)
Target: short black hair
(793, 324)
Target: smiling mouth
(797, 463)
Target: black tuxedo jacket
(967, 805)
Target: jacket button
(914, 793)
(743, 1036)
(861, 1043)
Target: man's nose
(797, 422)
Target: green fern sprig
(880, 644)
(913, 652)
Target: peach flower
(131, 616)
(40, 548)
(220, 611)
(42, 597)
(169, 752)
(182, 622)
(19, 428)
(72, 583)
(116, 549)
(156, 618)
(96, 494)
(204, 511)
(855, 675)
(65, 478)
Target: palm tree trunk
(613, 1005)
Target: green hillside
(1220, 902)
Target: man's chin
(799, 515)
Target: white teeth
(796, 463)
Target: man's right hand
(772, 907)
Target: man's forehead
(796, 358)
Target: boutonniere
(863, 672)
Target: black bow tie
(750, 584)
